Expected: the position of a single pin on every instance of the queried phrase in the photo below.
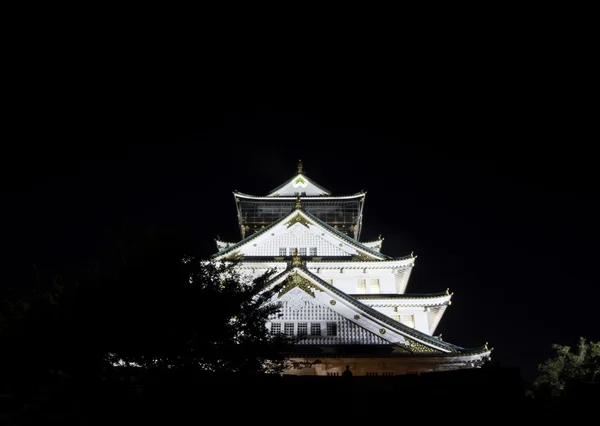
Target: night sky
(486, 173)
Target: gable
(296, 236)
(299, 185)
(304, 231)
(306, 299)
(300, 307)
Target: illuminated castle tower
(344, 298)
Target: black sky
(480, 161)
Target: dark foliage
(570, 375)
(147, 302)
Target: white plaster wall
(419, 314)
(347, 283)
(297, 236)
(299, 307)
(346, 279)
(422, 322)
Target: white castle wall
(297, 236)
(298, 307)
(346, 279)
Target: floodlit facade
(344, 298)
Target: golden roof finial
(298, 203)
(299, 166)
(296, 261)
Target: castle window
(303, 251)
(282, 251)
(313, 251)
(289, 328)
(332, 329)
(275, 328)
(408, 320)
(315, 328)
(361, 286)
(302, 329)
(374, 286)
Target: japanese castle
(343, 299)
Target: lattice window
(290, 240)
(275, 328)
(374, 285)
(361, 286)
(332, 329)
(302, 251)
(313, 251)
(316, 316)
(408, 320)
(282, 251)
(289, 328)
(315, 328)
(302, 329)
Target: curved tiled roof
(302, 197)
(381, 317)
(392, 296)
(324, 260)
(247, 239)
(379, 351)
(349, 240)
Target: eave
(415, 335)
(437, 299)
(387, 351)
(304, 197)
(375, 255)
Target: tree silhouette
(171, 309)
(147, 301)
(38, 325)
(570, 375)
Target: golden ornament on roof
(296, 260)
